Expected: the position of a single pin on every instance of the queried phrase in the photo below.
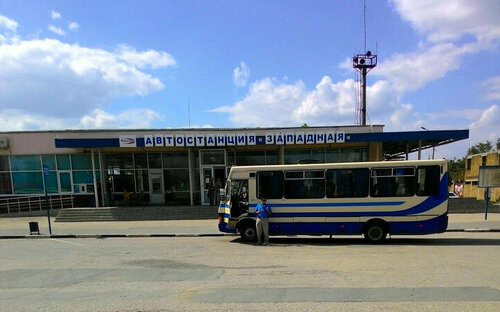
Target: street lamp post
(433, 147)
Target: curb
(101, 236)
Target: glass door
(213, 175)
(214, 178)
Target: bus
(363, 198)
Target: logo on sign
(128, 141)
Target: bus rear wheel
(375, 232)
(248, 233)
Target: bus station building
(142, 167)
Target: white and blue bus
(370, 198)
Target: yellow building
(472, 164)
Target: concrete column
(282, 155)
(96, 196)
(191, 182)
(103, 183)
(419, 149)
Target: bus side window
(428, 180)
(343, 183)
(270, 184)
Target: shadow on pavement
(326, 241)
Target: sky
(230, 64)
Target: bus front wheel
(248, 233)
(375, 232)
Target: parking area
(456, 271)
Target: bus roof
(369, 164)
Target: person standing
(263, 212)
(109, 192)
(211, 192)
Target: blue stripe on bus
(435, 225)
(336, 204)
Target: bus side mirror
(222, 194)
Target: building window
(353, 154)
(249, 158)
(28, 182)
(5, 186)
(271, 157)
(141, 161)
(25, 162)
(469, 161)
(4, 163)
(332, 155)
(51, 181)
(294, 156)
(81, 162)
(49, 161)
(483, 161)
(123, 161)
(176, 177)
(212, 157)
(154, 160)
(175, 160)
(63, 162)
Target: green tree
(304, 125)
(481, 147)
(456, 169)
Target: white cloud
(16, 120)
(56, 30)
(414, 70)
(451, 20)
(70, 79)
(136, 118)
(8, 23)
(266, 103)
(241, 74)
(151, 58)
(270, 103)
(492, 87)
(487, 127)
(55, 15)
(73, 26)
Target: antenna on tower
(363, 63)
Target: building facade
(472, 164)
(179, 166)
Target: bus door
(239, 197)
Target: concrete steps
(137, 213)
(85, 215)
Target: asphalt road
(456, 271)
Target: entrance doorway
(213, 172)
(214, 178)
(156, 186)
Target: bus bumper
(224, 227)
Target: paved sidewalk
(19, 227)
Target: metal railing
(13, 205)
